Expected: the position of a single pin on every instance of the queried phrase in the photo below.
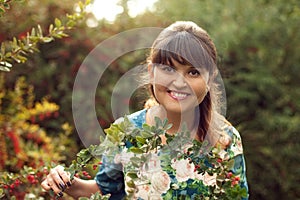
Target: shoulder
(235, 147)
(230, 142)
(231, 131)
(138, 118)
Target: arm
(59, 181)
(239, 170)
(82, 188)
(110, 179)
(235, 151)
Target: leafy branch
(17, 50)
(138, 148)
(5, 5)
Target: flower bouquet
(181, 168)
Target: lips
(178, 95)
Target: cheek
(162, 81)
(199, 90)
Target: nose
(179, 81)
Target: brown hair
(188, 44)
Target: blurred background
(258, 51)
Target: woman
(185, 88)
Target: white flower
(223, 154)
(160, 182)
(153, 164)
(184, 170)
(143, 192)
(125, 156)
(207, 179)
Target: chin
(170, 108)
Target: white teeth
(179, 95)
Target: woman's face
(179, 88)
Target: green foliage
(25, 146)
(257, 43)
(145, 142)
(5, 5)
(17, 50)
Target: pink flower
(184, 170)
(143, 191)
(153, 164)
(208, 180)
(160, 182)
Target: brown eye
(194, 72)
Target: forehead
(183, 49)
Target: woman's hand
(57, 180)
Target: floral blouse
(110, 178)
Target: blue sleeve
(240, 170)
(235, 151)
(110, 180)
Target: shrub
(25, 146)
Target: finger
(55, 181)
(65, 176)
(45, 185)
(55, 188)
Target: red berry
(229, 174)
(17, 182)
(95, 167)
(85, 173)
(31, 179)
(233, 183)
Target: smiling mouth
(178, 95)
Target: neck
(179, 119)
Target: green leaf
(130, 184)
(51, 27)
(33, 32)
(132, 175)
(2, 10)
(71, 23)
(158, 122)
(141, 139)
(57, 22)
(39, 31)
(47, 39)
(136, 150)
(146, 134)
(6, 6)
(146, 127)
(81, 6)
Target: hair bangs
(184, 48)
